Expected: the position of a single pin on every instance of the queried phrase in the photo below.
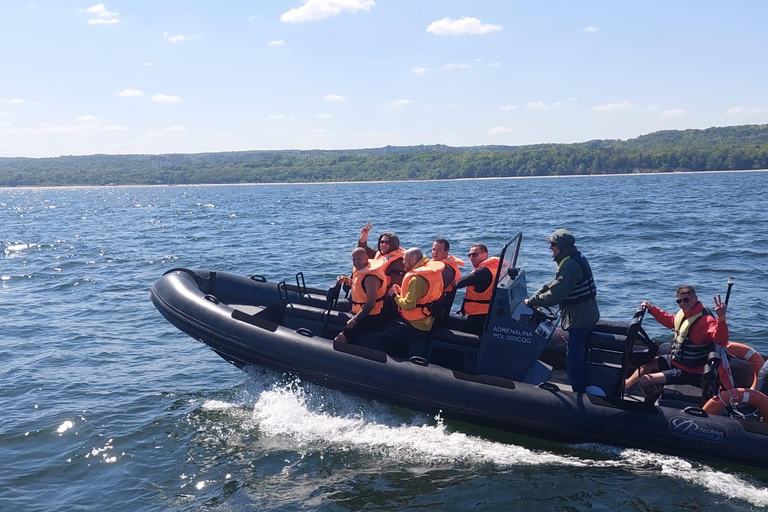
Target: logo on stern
(694, 428)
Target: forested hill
(726, 148)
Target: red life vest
(374, 268)
(433, 273)
(478, 303)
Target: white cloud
(165, 98)
(495, 64)
(334, 98)
(540, 105)
(149, 64)
(652, 108)
(87, 119)
(12, 101)
(418, 70)
(178, 38)
(673, 112)
(462, 26)
(130, 93)
(458, 65)
(591, 29)
(83, 125)
(314, 10)
(745, 111)
(5, 114)
(102, 16)
(398, 103)
(325, 116)
(273, 117)
(508, 108)
(613, 107)
(499, 129)
(223, 136)
(277, 42)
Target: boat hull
(246, 322)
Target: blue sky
(196, 76)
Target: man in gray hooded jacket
(573, 290)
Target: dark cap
(562, 237)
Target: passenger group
(402, 295)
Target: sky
(168, 76)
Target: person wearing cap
(573, 290)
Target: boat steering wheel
(544, 312)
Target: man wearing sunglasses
(696, 332)
(479, 285)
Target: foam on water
(316, 418)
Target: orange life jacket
(374, 268)
(433, 273)
(394, 255)
(453, 262)
(478, 303)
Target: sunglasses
(473, 254)
(684, 299)
(383, 242)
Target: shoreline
(277, 183)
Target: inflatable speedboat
(512, 377)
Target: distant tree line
(723, 148)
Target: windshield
(508, 264)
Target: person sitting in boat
(479, 285)
(696, 332)
(573, 290)
(451, 274)
(422, 286)
(368, 287)
(388, 250)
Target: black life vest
(585, 288)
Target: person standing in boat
(573, 290)
(696, 333)
(479, 285)
(368, 288)
(389, 250)
(451, 274)
(422, 287)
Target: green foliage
(726, 148)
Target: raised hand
(720, 308)
(364, 232)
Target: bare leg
(651, 367)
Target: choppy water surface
(107, 407)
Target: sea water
(106, 406)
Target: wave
(309, 417)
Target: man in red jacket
(696, 333)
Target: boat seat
(320, 321)
(607, 341)
(680, 395)
(316, 314)
(456, 337)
